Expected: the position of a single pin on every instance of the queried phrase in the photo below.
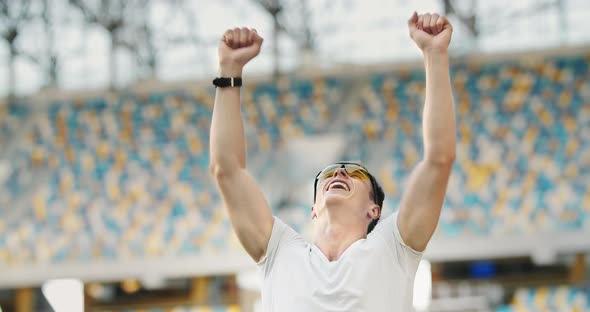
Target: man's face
(345, 194)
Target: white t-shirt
(374, 274)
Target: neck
(333, 238)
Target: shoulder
(282, 236)
(284, 231)
(387, 227)
(387, 230)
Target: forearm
(438, 123)
(227, 146)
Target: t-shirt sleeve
(408, 258)
(281, 236)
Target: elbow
(220, 168)
(441, 158)
(215, 170)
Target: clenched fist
(238, 46)
(430, 31)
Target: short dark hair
(378, 197)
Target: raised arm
(248, 210)
(422, 200)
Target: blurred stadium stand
(521, 164)
(97, 177)
(120, 182)
(560, 298)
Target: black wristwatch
(223, 82)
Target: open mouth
(338, 185)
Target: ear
(373, 212)
(313, 214)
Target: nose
(340, 172)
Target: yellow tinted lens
(328, 172)
(357, 172)
(354, 171)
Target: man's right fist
(238, 46)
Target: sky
(347, 32)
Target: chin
(332, 199)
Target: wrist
(435, 56)
(435, 52)
(230, 70)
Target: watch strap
(224, 82)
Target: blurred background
(106, 203)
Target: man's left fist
(430, 31)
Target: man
(345, 268)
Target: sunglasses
(352, 169)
